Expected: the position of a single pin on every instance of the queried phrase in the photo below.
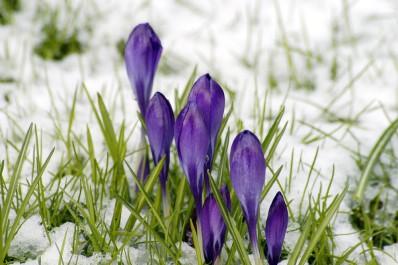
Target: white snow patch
(31, 240)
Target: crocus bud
(247, 169)
(213, 226)
(209, 97)
(141, 55)
(275, 228)
(159, 121)
(192, 141)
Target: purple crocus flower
(159, 120)
(213, 226)
(247, 169)
(209, 97)
(141, 55)
(192, 141)
(275, 228)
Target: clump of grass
(370, 215)
(373, 158)
(315, 222)
(7, 9)
(89, 183)
(58, 42)
(11, 198)
(93, 179)
(375, 223)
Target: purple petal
(213, 227)
(159, 121)
(192, 141)
(209, 97)
(227, 198)
(247, 169)
(275, 228)
(141, 55)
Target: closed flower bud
(209, 97)
(275, 228)
(159, 121)
(192, 141)
(247, 169)
(213, 226)
(141, 55)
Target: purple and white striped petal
(275, 228)
(247, 169)
(159, 121)
(192, 141)
(213, 226)
(209, 97)
(141, 55)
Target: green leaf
(109, 131)
(170, 249)
(373, 157)
(196, 243)
(273, 130)
(149, 184)
(14, 178)
(314, 230)
(270, 183)
(180, 102)
(150, 204)
(8, 237)
(178, 206)
(330, 212)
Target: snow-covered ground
(243, 44)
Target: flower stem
(257, 257)
(165, 203)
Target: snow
(389, 255)
(62, 238)
(30, 240)
(215, 36)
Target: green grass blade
(196, 243)
(180, 102)
(109, 131)
(6, 207)
(149, 184)
(294, 256)
(223, 165)
(273, 130)
(95, 235)
(373, 157)
(152, 208)
(171, 249)
(178, 206)
(91, 154)
(331, 211)
(270, 183)
(21, 210)
(278, 138)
